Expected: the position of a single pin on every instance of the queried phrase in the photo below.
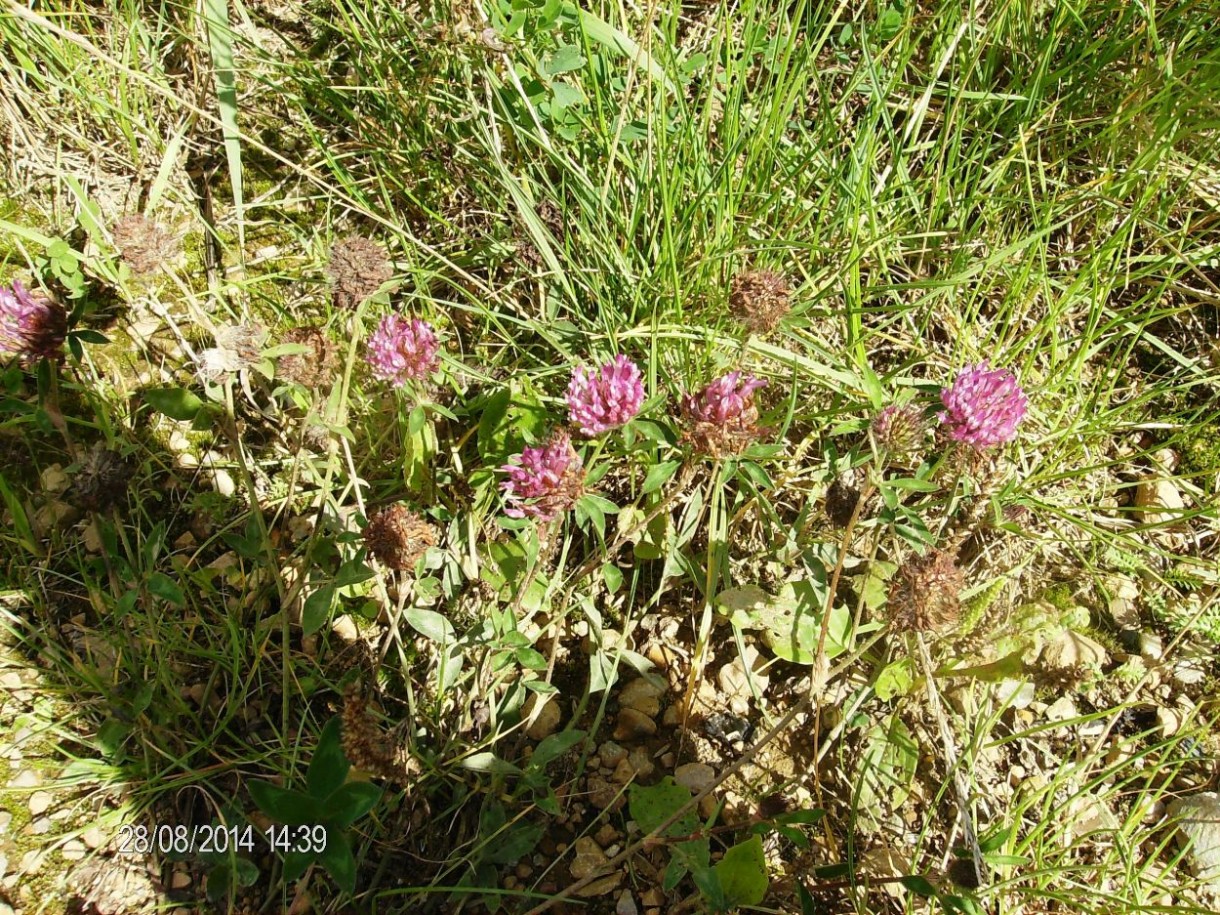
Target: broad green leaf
(338, 860)
(566, 58)
(430, 624)
(658, 474)
(315, 612)
(921, 886)
(531, 658)
(174, 402)
(791, 622)
(1009, 667)
(566, 95)
(801, 817)
(650, 807)
(329, 766)
(895, 679)
(514, 843)
(742, 873)
(285, 806)
(350, 802)
(551, 748)
(164, 587)
(605, 34)
(612, 575)
(887, 766)
(224, 75)
(295, 864)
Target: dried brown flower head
(398, 537)
(314, 367)
(925, 594)
(143, 244)
(759, 299)
(367, 746)
(841, 499)
(101, 481)
(237, 348)
(358, 267)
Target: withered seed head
(366, 745)
(841, 499)
(101, 481)
(358, 267)
(398, 537)
(315, 366)
(143, 244)
(759, 299)
(925, 595)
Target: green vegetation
(923, 675)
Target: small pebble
(1151, 646)
(642, 695)
(641, 762)
(623, 772)
(695, 776)
(610, 754)
(633, 725)
(589, 860)
(547, 720)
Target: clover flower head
(32, 328)
(543, 482)
(759, 299)
(316, 366)
(102, 481)
(724, 400)
(607, 400)
(401, 349)
(925, 595)
(237, 349)
(983, 406)
(722, 418)
(143, 244)
(358, 267)
(398, 537)
(899, 429)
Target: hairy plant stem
(965, 808)
(699, 657)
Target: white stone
(223, 481)
(1062, 709)
(1069, 648)
(1017, 693)
(1159, 494)
(1198, 821)
(695, 777)
(626, 904)
(1152, 648)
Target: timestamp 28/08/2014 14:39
(215, 839)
